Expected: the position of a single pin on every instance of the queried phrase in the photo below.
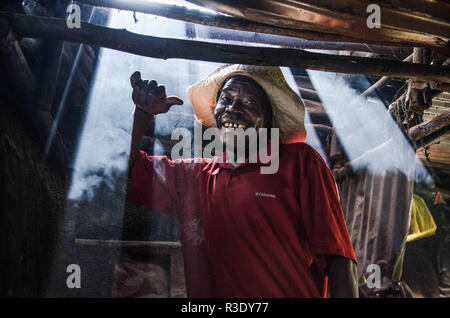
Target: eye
(225, 99)
(249, 101)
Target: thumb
(174, 100)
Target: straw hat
(287, 106)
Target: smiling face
(242, 103)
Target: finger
(173, 100)
(136, 90)
(159, 93)
(148, 87)
(138, 87)
(142, 93)
(135, 95)
(152, 84)
(135, 78)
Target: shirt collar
(254, 157)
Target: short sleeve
(321, 211)
(154, 183)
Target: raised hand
(151, 97)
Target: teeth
(234, 125)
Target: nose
(235, 107)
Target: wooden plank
(297, 43)
(148, 247)
(213, 20)
(303, 82)
(433, 137)
(310, 94)
(439, 103)
(392, 17)
(122, 40)
(424, 129)
(343, 17)
(437, 9)
(286, 37)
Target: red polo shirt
(247, 234)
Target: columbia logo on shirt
(268, 195)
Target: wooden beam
(147, 247)
(445, 87)
(381, 82)
(296, 43)
(346, 18)
(163, 48)
(437, 9)
(214, 20)
(427, 128)
(392, 16)
(300, 39)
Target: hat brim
(287, 107)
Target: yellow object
(422, 223)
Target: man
(244, 233)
